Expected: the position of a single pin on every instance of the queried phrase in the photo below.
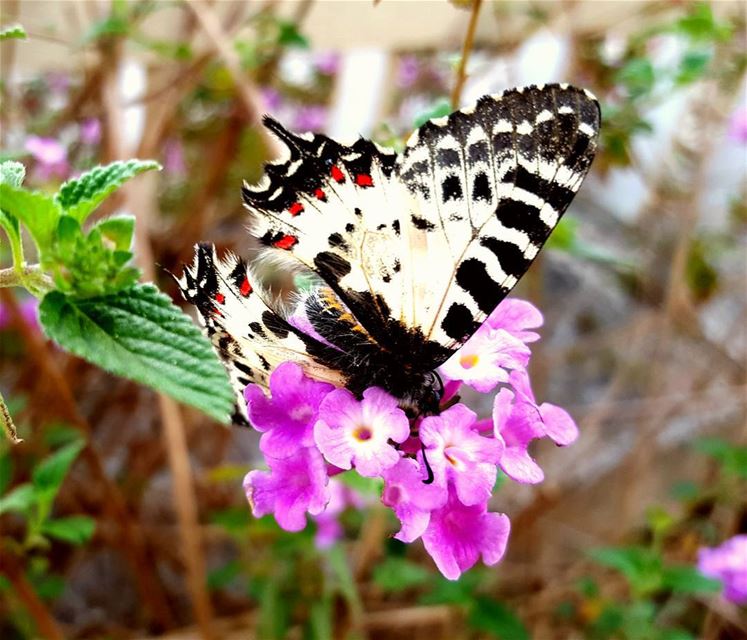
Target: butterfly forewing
(490, 183)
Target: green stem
(31, 277)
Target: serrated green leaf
(79, 196)
(12, 173)
(49, 474)
(19, 499)
(497, 620)
(686, 579)
(76, 530)
(399, 574)
(38, 211)
(139, 334)
(13, 31)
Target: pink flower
(286, 419)
(408, 71)
(727, 563)
(90, 131)
(173, 157)
(29, 308)
(293, 486)
(50, 156)
(516, 317)
(458, 454)
(518, 420)
(482, 362)
(738, 125)
(351, 432)
(457, 535)
(409, 498)
(310, 118)
(327, 62)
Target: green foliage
(34, 500)
(139, 334)
(78, 197)
(394, 575)
(36, 210)
(731, 457)
(12, 173)
(439, 109)
(13, 32)
(496, 620)
(701, 25)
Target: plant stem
(7, 420)
(469, 38)
(31, 277)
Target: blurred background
(642, 287)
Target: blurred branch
(46, 625)
(8, 48)
(456, 94)
(221, 43)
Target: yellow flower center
(468, 360)
(362, 433)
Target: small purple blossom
(293, 486)
(738, 125)
(327, 62)
(484, 360)
(457, 535)
(727, 563)
(328, 527)
(271, 98)
(408, 71)
(286, 419)
(310, 118)
(410, 499)
(518, 420)
(350, 432)
(516, 317)
(29, 308)
(173, 158)
(459, 455)
(90, 131)
(50, 156)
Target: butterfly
(409, 252)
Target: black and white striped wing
(487, 185)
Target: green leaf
(693, 65)
(48, 475)
(117, 232)
(290, 36)
(496, 620)
(12, 173)
(76, 530)
(79, 196)
(399, 574)
(38, 211)
(141, 335)
(686, 579)
(22, 498)
(439, 109)
(642, 567)
(701, 25)
(13, 31)
(637, 76)
(223, 575)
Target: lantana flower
(351, 432)
(518, 420)
(457, 535)
(286, 419)
(727, 563)
(438, 471)
(458, 454)
(293, 486)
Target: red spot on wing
(320, 195)
(245, 288)
(364, 180)
(295, 208)
(337, 175)
(220, 298)
(286, 242)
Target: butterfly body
(411, 251)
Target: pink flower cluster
(438, 471)
(727, 563)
